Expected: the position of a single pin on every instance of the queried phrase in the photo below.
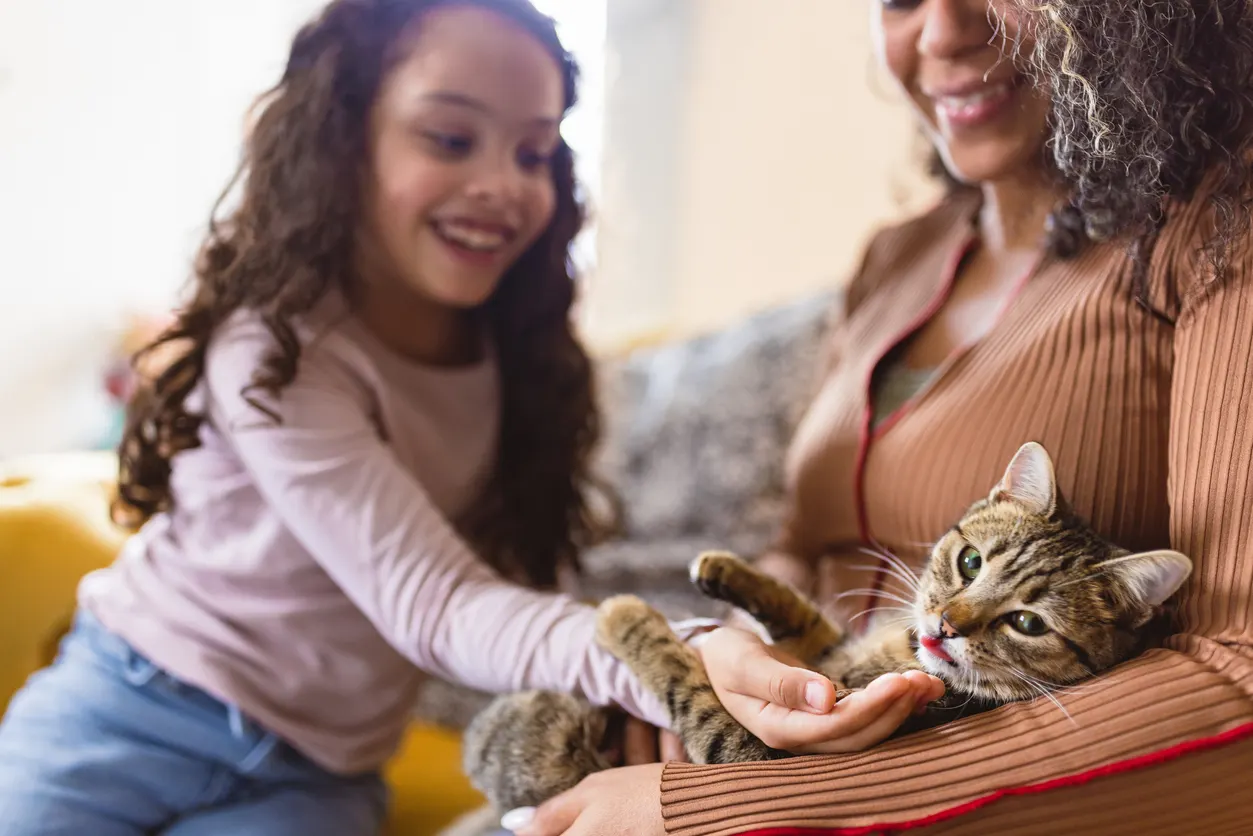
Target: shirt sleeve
(1162, 710)
(371, 526)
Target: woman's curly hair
(289, 241)
(1151, 101)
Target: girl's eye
(969, 562)
(531, 160)
(450, 144)
(1028, 623)
(900, 5)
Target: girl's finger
(639, 742)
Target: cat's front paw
(624, 622)
(716, 574)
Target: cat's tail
(528, 747)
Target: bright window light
(581, 25)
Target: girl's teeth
(474, 239)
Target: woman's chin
(979, 165)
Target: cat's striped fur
(1018, 598)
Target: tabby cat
(1018, 598)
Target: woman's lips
(971, 105)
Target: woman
(1099, 301)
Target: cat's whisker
(1057, 688)
(908, 610)
(1044, 692)
(901, 569)
(879, 552)
(874, 593)
(894, 589)
(894, 561)
(1079, 579)
(970, 697)
(910, 583)
(903, 619)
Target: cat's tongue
(935, 647)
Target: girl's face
(952, 60)
(462, 133)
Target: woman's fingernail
(517, 819)
(816, 695)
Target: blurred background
(737, 152)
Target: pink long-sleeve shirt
(308, 573)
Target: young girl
(375, 382)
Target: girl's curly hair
(1151, 101)
(289, 241)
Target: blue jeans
(104, 743)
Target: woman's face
(953, 59)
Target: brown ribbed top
(1150, 423)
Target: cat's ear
(1149, 577)
(1029, 481)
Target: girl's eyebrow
(462, 100)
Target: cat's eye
(969, 562)
(1028, 623)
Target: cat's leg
(885, 647)
(794, 623)
(640, 636)
(526, 748)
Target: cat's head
(1022, 595)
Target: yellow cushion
(54, 529)
(51, 533)
(428, 787)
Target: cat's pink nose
(947, 630)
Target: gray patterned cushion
(695, 441)
(697, 430)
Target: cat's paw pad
(712, 573)
(623, 619)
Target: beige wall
(777, 147)
(744, 159)
(119, 125)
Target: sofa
(695, 441)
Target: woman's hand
(619, 802)
(791, 708)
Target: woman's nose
(952, 27)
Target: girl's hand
(645, 743)
(791, 708)
(619, 802)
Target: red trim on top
(1118, 767)
(867, 421)
(869, 435)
